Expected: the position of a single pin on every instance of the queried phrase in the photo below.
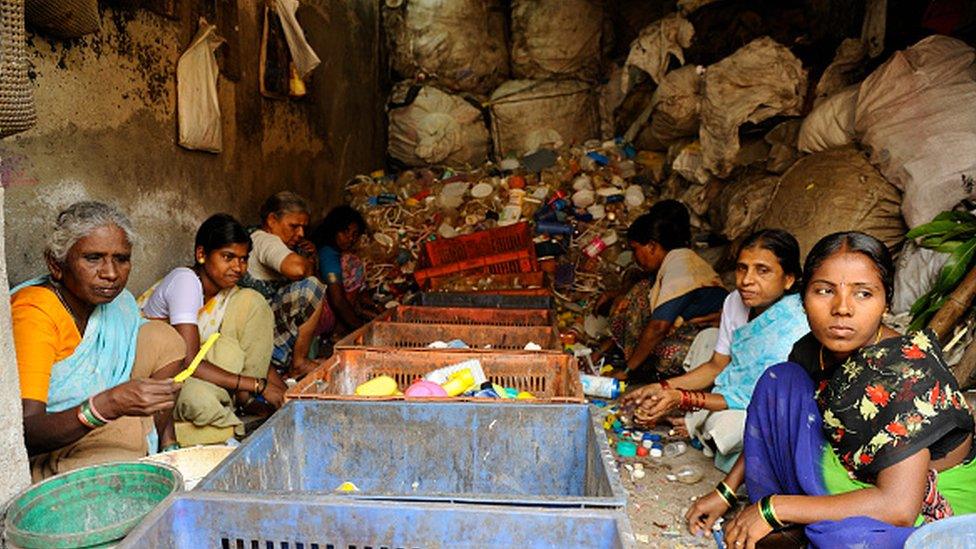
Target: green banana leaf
(922, 319)
(932, 228)
(952, 215)
(955, 267)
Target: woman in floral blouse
(864, 434)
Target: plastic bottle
(688, 474)
(459, 382)
(675, 449)
(378, 386)
(603, 387)
(600, 243)
(442, 375)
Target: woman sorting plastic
(761, 320)
(342, 270)
(863, 434)
(282, 268)
(204, 299)
(656, 321)
(95, 377)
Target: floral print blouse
(890, 400)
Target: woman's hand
(703, 514)
(138, 397)
(657, 406)
(274, 394)
(638, 396)
(747, 528)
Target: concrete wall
(107, 130)
(13, 455)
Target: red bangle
(664, 384)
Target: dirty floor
(655, 504)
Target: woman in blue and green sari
(863, 434)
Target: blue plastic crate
(207, 519)
(526, 454)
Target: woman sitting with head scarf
(93, 373)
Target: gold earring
(201, 261)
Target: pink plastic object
(425, 389)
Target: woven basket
(17, 112)
(63, 18)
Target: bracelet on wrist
(237, 386)
(87, 418)
(726, 493)
(95, 412)
(768, 513)
(664, 384)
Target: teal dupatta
(103, 359)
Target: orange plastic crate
(470, 315)
(550, 377)
(511, 238)
(522, 261)
(531, 283)
(406, 335)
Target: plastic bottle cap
(625, 448)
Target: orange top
(44, 333)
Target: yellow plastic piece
(378, 387)
(411, 202)
(525, 395)
(458, 382)
(347, 487)
(377, 174)
(185, 374)
(500, 390)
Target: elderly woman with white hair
(95, 377)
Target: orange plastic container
(520, 261)
(470, 315)
(511, 238)
(407, 335)
(549, 377)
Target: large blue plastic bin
(957, 531)
(206, 519)
(539, 454)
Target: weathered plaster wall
(13, 455)
(107, 131)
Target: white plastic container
(603, 387)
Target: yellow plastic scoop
(182, 376)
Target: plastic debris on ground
(578, 201)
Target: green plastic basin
(88, 507)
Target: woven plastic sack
(63, 18)
(428, 126)
(558, 38)
(760, 80)
(196, 92)
(831, 123)
(658, 42)
(528, 114)
(742, 203)
(835, 190)
(17, 111)
(677, 105)
(916, 115)
(460, 44)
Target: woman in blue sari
(760, 322)
(863, 434)
(94, 375)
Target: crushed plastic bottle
(688, 474)
(675, 449)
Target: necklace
(57, 291)
(877, 339)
